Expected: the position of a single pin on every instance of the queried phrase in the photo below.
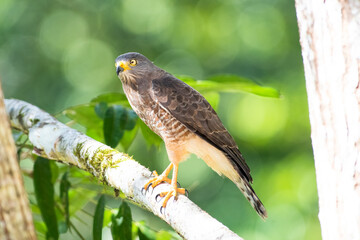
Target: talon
(162, 209)
(156, 181)
(172, 193)
(154, 174)
(156, 197)
(174, 190)
(159, 178)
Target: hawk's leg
(174, 189)
(159, 178)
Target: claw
(154, 174)
(156, 197)
(172, 193)
(156, 181)
(175, 186)
(162, 209)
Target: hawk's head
(133, 65)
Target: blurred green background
(57, 54)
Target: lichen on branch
(54, 140)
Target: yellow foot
(157, 180)
(172, 193)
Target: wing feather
(193, 110)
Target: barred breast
(157, 118)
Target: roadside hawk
(186, 122)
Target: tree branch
(54, 140)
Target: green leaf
(63, 227)
(99, 218)
(64, 196)
(54, 171)
(230, 83)
(213, 98)
(100, 109)
(145, 232)
(114, 124)
(121, 227)
(150, 137)
(143, 236)
(131, 119)
(87, 117)
(44, 193)
(163, 235)
(107, 217)
(112, 98)
(117, 120)
(128, 138)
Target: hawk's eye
(133, 62)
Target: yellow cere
(125, 66)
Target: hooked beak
(121, 66)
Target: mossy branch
(54, 140)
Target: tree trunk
(15, 216)
(330, 41)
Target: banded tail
(251, 196)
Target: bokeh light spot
(10, 12)
(180, 62)
(143, 16)
(59, 30)
(261, 28)
(256, 118)
(89, 65)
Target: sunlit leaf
(99, 218)
(107, 217)
(54, 171)
(145, 232)
(44, 192)
(64, 196)
(121, 224)
(143, 236)
(129, 137)
(86, 116)
(213, 98)
(163, 235)
(230, 83)
(112, 98)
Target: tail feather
(251, 196)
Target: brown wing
(191, 108)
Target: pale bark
(330, 41)
(55, 140)
(15, 215)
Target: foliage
(44, 192)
